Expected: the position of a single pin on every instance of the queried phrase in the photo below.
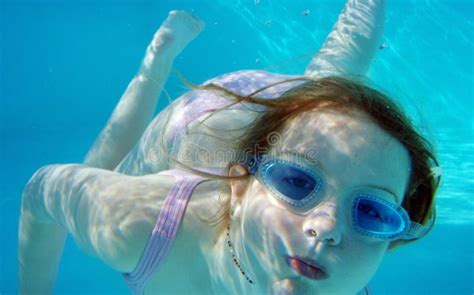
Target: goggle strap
(252, 163)
(418, 230)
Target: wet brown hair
(344, 95)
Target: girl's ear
(237, 186)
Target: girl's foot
(179, 28)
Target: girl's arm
(108, 214)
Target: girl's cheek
(367, 243)
(370, 254)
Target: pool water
(64, 65)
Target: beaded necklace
(234, 257)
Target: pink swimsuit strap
(165, 229)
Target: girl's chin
(286, 286)
(291, 286)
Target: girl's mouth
(307, 267)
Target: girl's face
(347, 152)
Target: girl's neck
(227, 274)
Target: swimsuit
(145, 158)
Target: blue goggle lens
(378, 218)
(290, 181)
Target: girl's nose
(322, 225)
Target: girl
(252, 183)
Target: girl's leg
(353, 42)
(137, 105)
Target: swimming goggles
(294, 183)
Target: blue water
(64, 65)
